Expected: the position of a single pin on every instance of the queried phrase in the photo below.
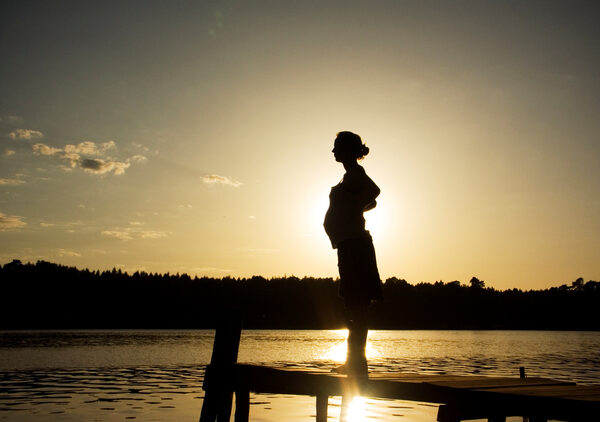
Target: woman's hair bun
(364, 150)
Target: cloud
(139, 158)
(8, 222)
(151, 234)
(26, 134)
(11, 182)
(42, 149)
(130, 233)
(212, 179)
(99, 166)
(145, 150)
(73, 153)
(11, 119)
(67, 252)
(90, 157)
(118, 234)
(9, 152)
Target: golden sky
(196, 136)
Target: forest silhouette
(46, 295)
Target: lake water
(152, 375)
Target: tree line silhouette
(46, 295)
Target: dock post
(219, 391)
(242, 405)
(322, 404)
(447, 413)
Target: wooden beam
(447, 413)
(217, 378)
(322, 404)
(242, 405)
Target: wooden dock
(460, 397)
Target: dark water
(157, 375)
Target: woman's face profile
(339, 152)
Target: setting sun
(376, 223)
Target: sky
(196, 137)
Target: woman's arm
(362, 188)
(367, 195)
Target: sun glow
(375, 222)
(316, 215)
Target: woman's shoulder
(355, 172)
(355, 177)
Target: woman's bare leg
(356, 359)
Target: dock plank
(474, 396)
(496, 383)
(460, 397)
(590, 393)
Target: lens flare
(357, 410)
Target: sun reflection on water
(357, 410)
(337, 352)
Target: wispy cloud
(11, 119)
(144, 149)
(9, 152)
(11, 182)
(90, 157)
(67, 252)
(139, 159)
(130, 233)
(26, 134)
(213, 179)
(67, 226)
(118, 234)
(152, 234)
(8, 222)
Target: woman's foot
(357, 368)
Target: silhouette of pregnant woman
(360, 283)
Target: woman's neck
(350, 164)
